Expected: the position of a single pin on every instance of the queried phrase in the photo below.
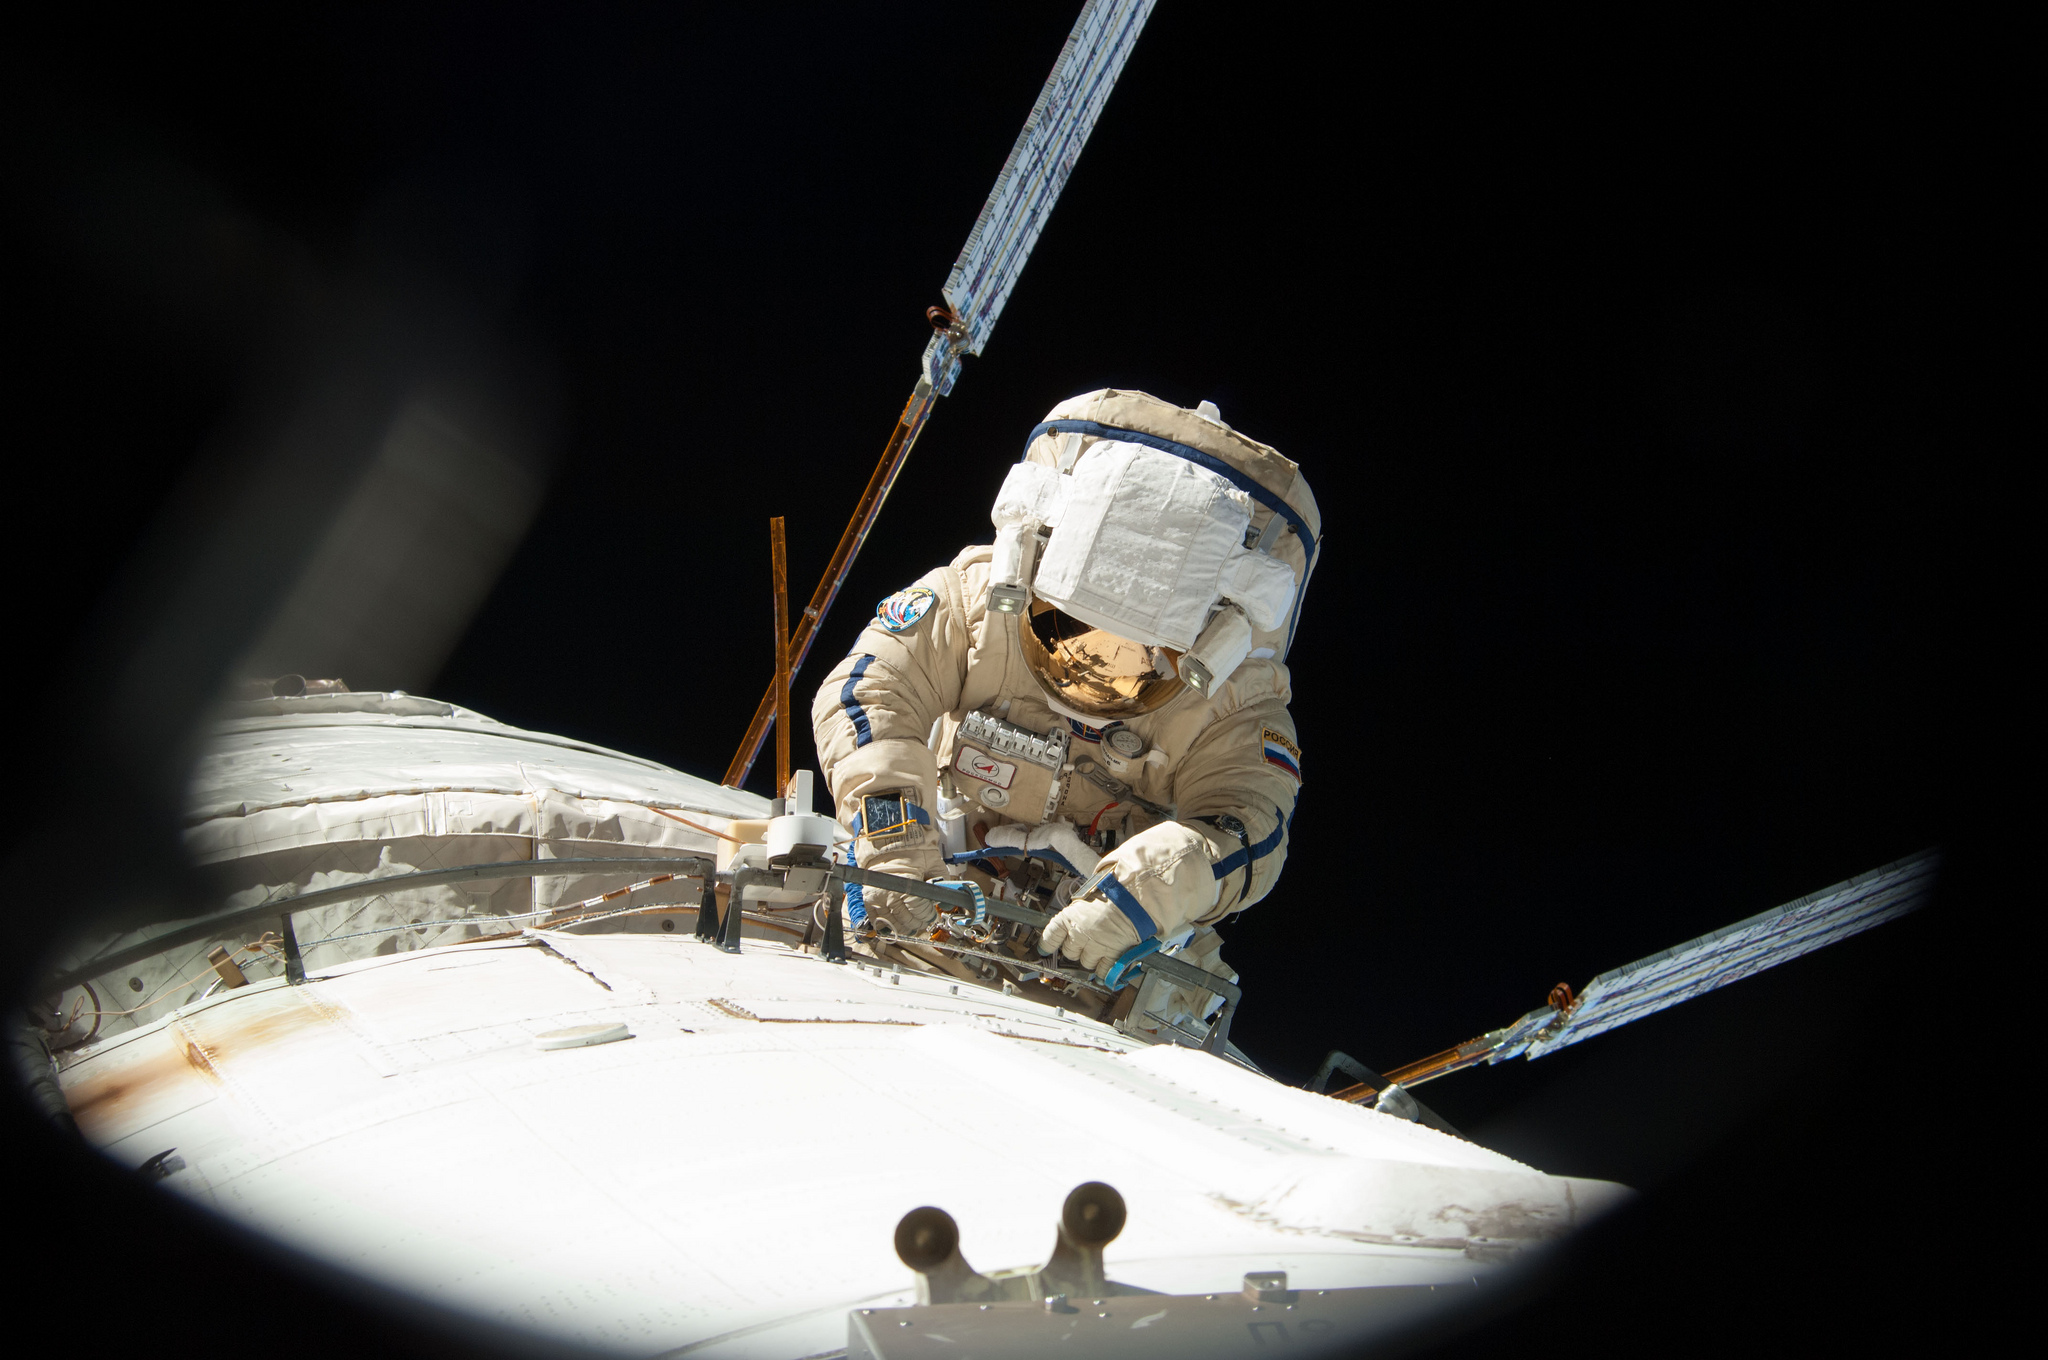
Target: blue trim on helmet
(1315, 553)
(1240, 480)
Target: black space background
(1652, 379)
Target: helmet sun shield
(1142, 543)
(1094, 674)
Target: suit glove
(1091, 931)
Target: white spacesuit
(1102, 689)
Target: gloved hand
(905, 915)
(1058, 837)
(1164, 870)
(1090, 930)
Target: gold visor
(1096, 672)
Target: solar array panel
(1727, 955)
(1032, 177)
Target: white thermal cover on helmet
(1032, 494)
(1263, 586)
(1147, 543)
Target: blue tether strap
(1011, 852)
(1116, 892)
(980, 902)
(856, 903)
(1128, 960)
(1271, 500)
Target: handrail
(220, 922)
(740, 877)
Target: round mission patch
(903, 609)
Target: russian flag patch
(1282, 752)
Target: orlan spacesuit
(1103, 689)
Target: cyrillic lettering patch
(1282, 752)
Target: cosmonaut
(1104, 689)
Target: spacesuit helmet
(1147, 548)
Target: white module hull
(732, 1173)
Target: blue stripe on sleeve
(1238, 858)
(862, 734)
(1261, 849)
